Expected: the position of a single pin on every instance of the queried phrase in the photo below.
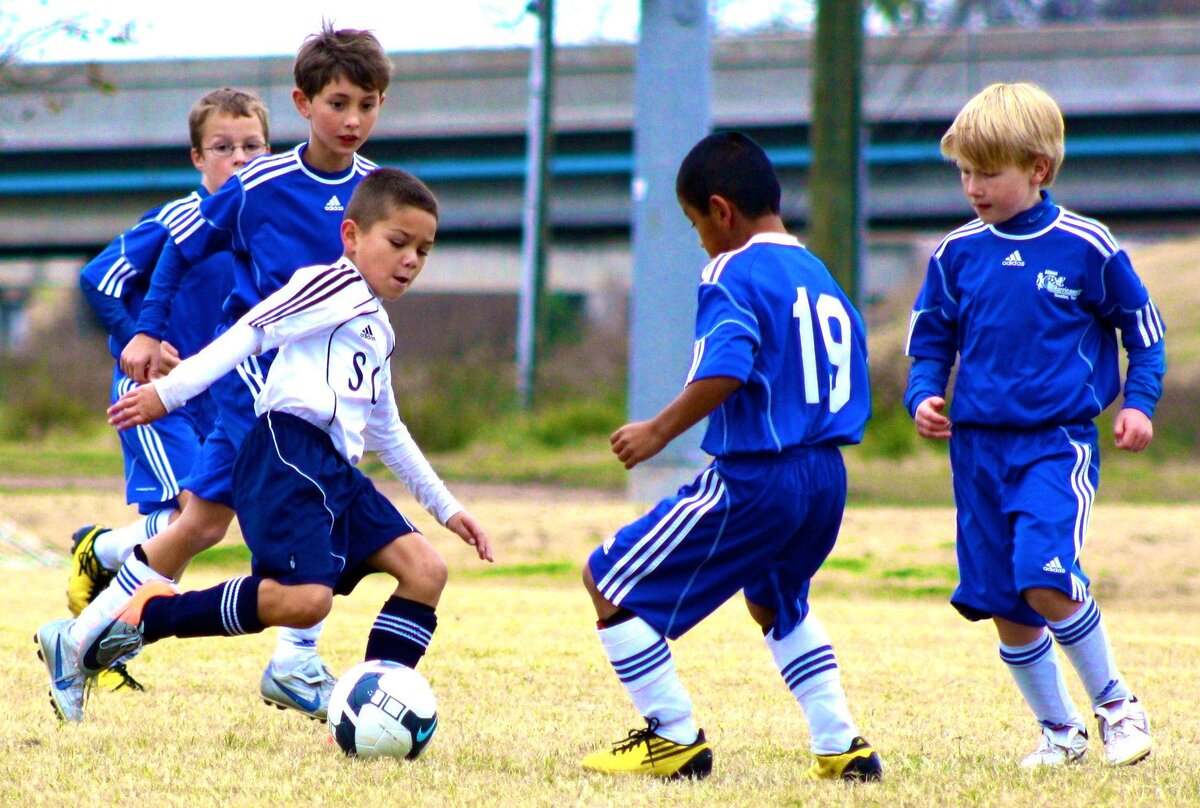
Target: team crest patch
(1050, 281)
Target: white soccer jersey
(332, 370)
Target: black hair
(730, 165)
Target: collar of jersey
(321, 176)
(1030, 221)
(783, 239)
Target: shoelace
(127, 679)
(637, 737)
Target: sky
(222, 28)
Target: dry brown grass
(525, 692)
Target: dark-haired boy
(315, 525)
(283, 212)
(780, 368)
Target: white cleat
(1060, 746)
(1125, 729)
(68, 684)
(305, 688)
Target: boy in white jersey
(227, 128)
(1029, 298)
(281, 213)
(315, 525)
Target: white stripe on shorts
(650, 550)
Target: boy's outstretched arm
(137, 407)
(470, 531)
(641, 440)
(193, 376)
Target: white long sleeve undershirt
(197, 373)
(403, 457)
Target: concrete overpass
(74, 175)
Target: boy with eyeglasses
(228, 128)
(279, 214)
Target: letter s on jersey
(359, 360)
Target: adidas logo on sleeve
(1013, 260)
(367, 334)
(1054, 565)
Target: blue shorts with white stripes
(233, 394)
(762, 523)
(307, 515)
(1024, 499)
(159, 455)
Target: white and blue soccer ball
(382, 709)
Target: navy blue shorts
(159, 455)
(307, 515)
(762, 523)
(1024, 499)
(233, 395)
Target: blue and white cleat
(68, 684)
(305, 688)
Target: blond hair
(1007, 124)
(228, 101)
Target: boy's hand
(471, 532)
(138, 407)
(141, 359)
(168, 357)
(929, 419)
(637, 442)
(1133, 430)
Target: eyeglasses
(251, 149)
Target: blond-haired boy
(1029, 298)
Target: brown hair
(329, 55)
(384, 190)
(235, 103)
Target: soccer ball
(382, 709)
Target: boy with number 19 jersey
(1029, 298)
(780, 368)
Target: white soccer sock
(643, 663)
(1040, 680)
(805, 660)
(295, 645)
(1085, 642)
(108, 604)
(112, 547)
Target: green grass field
(525, 691)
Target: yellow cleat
(859, 762)
(88, 576)
(117, 677)
(646, 752)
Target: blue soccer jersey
(1031, 308)
(157, 456)
(115, 281)
(276, 214)
(771, 316)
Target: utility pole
(671, 111)
(534, 229)
(835, 186)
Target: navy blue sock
(401, 632)
(225, 610)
